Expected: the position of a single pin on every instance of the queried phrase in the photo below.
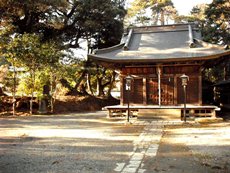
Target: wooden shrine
(156, 57)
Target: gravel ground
(63, 144)
(91, 143)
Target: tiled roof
(160, 44)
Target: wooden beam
(175, 64)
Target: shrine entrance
(166, 94)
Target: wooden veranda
(141, 111)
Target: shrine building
(156, 57)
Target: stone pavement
(145, 146)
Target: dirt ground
(92, 143)
(72, 143)
(195, 148)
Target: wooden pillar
(159, 84)
(175, 90)
(144, 91)
(122, 90)
(200, 87)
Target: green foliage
(25, 84)
(66, 21)
(35, 34)
(27, 51)
(213, 20)
(3, 71)
(71, 73)
(162, 10)
(8, 82)
(213, 74)
(214, 23)
(198, 13)
(217, 26)
(103, 22)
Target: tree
(197, 14)
(213, 20)
(64, 21)
(102, 80)
(217, 27)
(67, 23)
(27, 51)
(7, 53)
(3, 74)
(162, 10)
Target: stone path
(145, 146)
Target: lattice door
(136, 93)
(152, 91)
(167, 91)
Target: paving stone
(119, 167)
(135, 162)
(129, 170)
(137, 156)
(141, 170)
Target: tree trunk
(1, 92)
(162, 17)
(111, 83)
(14, 89)
(100, 87)
(78, 83)
(51, 93)
(32, 92)
(83, 87)
(89, 86)
(156, 18)
(65, 83)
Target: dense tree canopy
(35, 34)
(66, 21)
(217, 22)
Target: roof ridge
(164, 28)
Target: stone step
(209, 120)
(159, 113)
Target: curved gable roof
(160, 44)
